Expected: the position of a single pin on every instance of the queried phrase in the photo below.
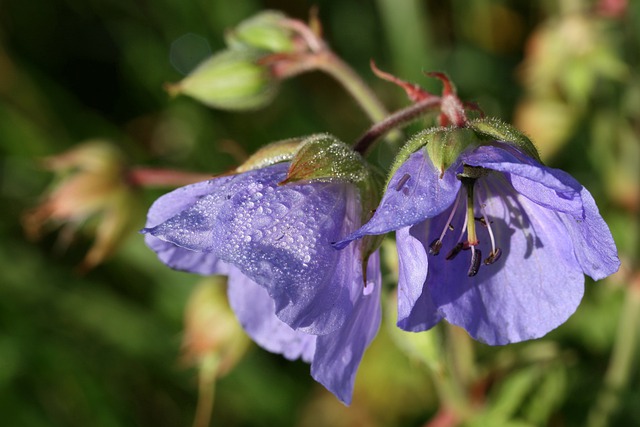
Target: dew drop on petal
(368, 287)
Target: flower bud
(263, 31)
(213, 338)
(91, 185)
(229, 80)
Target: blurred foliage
(102, 348)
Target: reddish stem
(149, 177)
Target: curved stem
(398, 119)
(351, 81)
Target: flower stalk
(622, 359)
(396, 120)
(162, 178)
(319, 56)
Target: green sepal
(497, 130)
(229, 80)
(263, 31)
(443, 145)
(324, 157)
(270, 154)
(446, 146)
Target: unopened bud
(263, 31)
(229, 80)
(212, 332)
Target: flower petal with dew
(539, 229)
(334, 356)
(277, 235)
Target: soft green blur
(105, 346)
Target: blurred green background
(103, 346)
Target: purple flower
(497, 243)
(293, 293)
(277, 235)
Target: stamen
(481, 220)
(449, 226)
(493, 256)
(455, 251)
(495, 253)
(476, 256)
(436, 245)
(402, 181)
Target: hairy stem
(394, 121)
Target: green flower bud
(263, 31)
(213, 339)
(229, 80)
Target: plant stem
(622, 359)
(351, 81)
(155, 178)
(398, 119)
(410, 45)
(206, 390)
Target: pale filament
(448, 223)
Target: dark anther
(451, 227)
(482, 221)
(493, 256)
(402, 181)
(455, 251)
(435, 246)
(475, 263)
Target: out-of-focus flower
(467, 194)
(612, 8)
(565, 59)
(292, 291)
(91, 192)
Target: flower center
(468, 178)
